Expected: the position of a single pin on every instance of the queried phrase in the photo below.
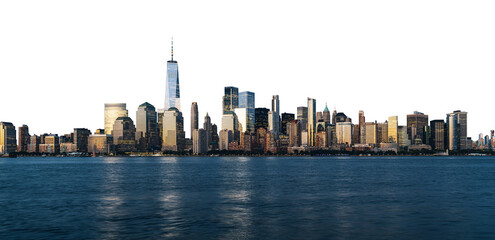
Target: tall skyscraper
(362, 127)
(147, 127)
(112, 112)
(326, 114)
(247, 100)
(275, 116)
(7, 138)
(286, 118)
(311, 121)
(124, 134)
(416, 125)
(437, 141)
(344, 133)
(208, 128)
(302, 116)
(194, 118)
(200, 145)
(261, 118)
(172, 90)
(462, 142)
(23, 139)
(230, 99)
(173, 130)
(393, 136)
(452, 131)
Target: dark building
(340, 117)
(147, 132)
(7, 138)
(261, 118)
(208, 128)
(214, 137)
(438, 137)
(124, 134)
(416, 125)
(81, 137)
(23, 139)
(326, 115)
(230, 99)
(286, 118)
(302, 116)
(194, 118)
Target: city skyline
(64, 79)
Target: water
(248, 198)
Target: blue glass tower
(246, 100)
(172, 90)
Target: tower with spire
(172, 89)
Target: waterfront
(247, 198)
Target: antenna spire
(172, 52)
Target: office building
(208, 129)
(100, 143)
(261, 118)
(302, 116)
(416, 125)
(371, 133)
(124, 134)
(294, 133)
(80, 139)
(344, 132)
(452, 131)
(311, 121)
(226, 137)
(112, 112)
(172, 89)
(173, 130)
(194, 118)
(437, 141)
(230, 100)
(275, 117)
(326, 115)
(362, 127)
(286, 118)
(23, 138)
(7, 138)
(403, 139)
(200, 143)
(392, 129)
(147, 131)
(247, 101)
(34, 144)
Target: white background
(60, 61)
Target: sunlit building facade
(112, 112)
(392, 129)
(173, 130)
(7, 138)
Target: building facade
(172, 88)
(112, 112)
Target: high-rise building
(311, 121)
(437, 135)
(214, 137)
(340, 117)
(51, 144)
(34, 144)
(80, 139)
(200, 144)
(229, 122)
(382, 132)
(23, 139)
(462, 141)
(247, 100)
(147, 127)
(112, 112)
(226, 137)
(173, 130)
(302, 116)
(100, 143)
(344, 131)
(371, 133)
(172, 89)
(230, 99)
(7, 138)
(416, 125)
(334, 117)
(294, 132)
(124, 134)
(286, 118)
(326, 114)
(242, 119)
(319, 116)
(194, 118)
(392, 129)
(452, 131)
(261, 118)
(275, 129)
(403, 139)
(208, 129)
(362, 127)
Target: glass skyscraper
(172, 90)
(246, 100)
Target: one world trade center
(172, 90)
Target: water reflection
(111, 199)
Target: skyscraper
(124, 134)
(462, 130)
(200, 145)
(194, 118)
(311, 121)
(7, 138)
(286, 118)
(112, 112)
(230, 99)
(416, 125)
(275, 128)
(208, 128)
(326, 114)
(247, 100)
(437, 135)
(172, 90)
(173, 130)
(392, 129)
(302, 116)
(23, 139)
(362, 127)
(80, 139)
(261, 118)
(147, 127)
(452, 131)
